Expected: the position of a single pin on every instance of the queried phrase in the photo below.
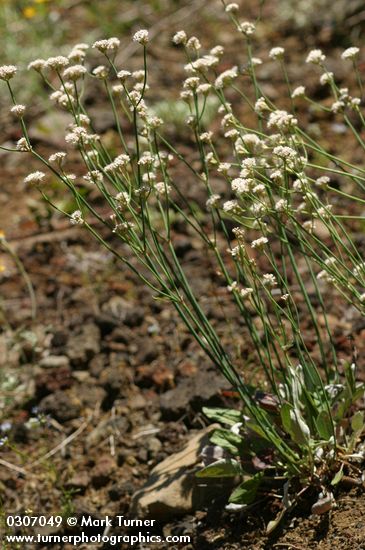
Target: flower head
(107, 45)
(350, 53)
(37, 65)
(7, 72)
(35, 178)
(74, 72)
(316, 57)
(141, 37)
(276, 53)
(57, 63)
(76, 218)
(180, 38)
(230, 8)
(18, 110)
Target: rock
(119, 311)
(60, 406)
(154, 445)
(147, 352)
(80, 481)
(50, 381)
(97, 365)
(159, 375)
(113, 379)
(54, 361)
(195, 391)
(172, 488)
(110, 426)
(103, 470)
(83, 346)
(134, 317)
(119, 490)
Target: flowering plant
(299, 426)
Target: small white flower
(261, 105)
(180, 38)
(276, 53)
(22, 145)
(57, 158)
(213, 202)
(226, 77)
(7, 72)
(35, 178)
(232, 207)
(74, 72)
(123, 75)
(309, 226)
(162, 188)
(204, 89)
(233, 286)
(325, 211)
(206, 137)
(224, 168)
(123, 199)
(57, 63)
(282, 120)
(76, 218)
(18, 110)
(322, 182)
(233, 7)
(281, 205)
(95, 176)
(37, 65)
(259, 243)
(101, 72)
(269, 280)
(141, 37)
(242, 185)
(246, 292)
(232, 134)
(298, 92)
(337, 106)
(256, 61)
(350, 53)
(325, 78)
(217, 51)
(316, 57)
(107, 45)
(193, 44)
(247, 28)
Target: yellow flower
(2, 234)
(29, 12)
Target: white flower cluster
(226, 77)
(7, 72)
(141, 37)
(35, 178)
(108, 45)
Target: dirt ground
(113, 375)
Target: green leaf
(338, 476)
(246, 492)
(357, 421)
(225, 467)
(324, 425)
(229, 441)
(285, 417)
(224, 416)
